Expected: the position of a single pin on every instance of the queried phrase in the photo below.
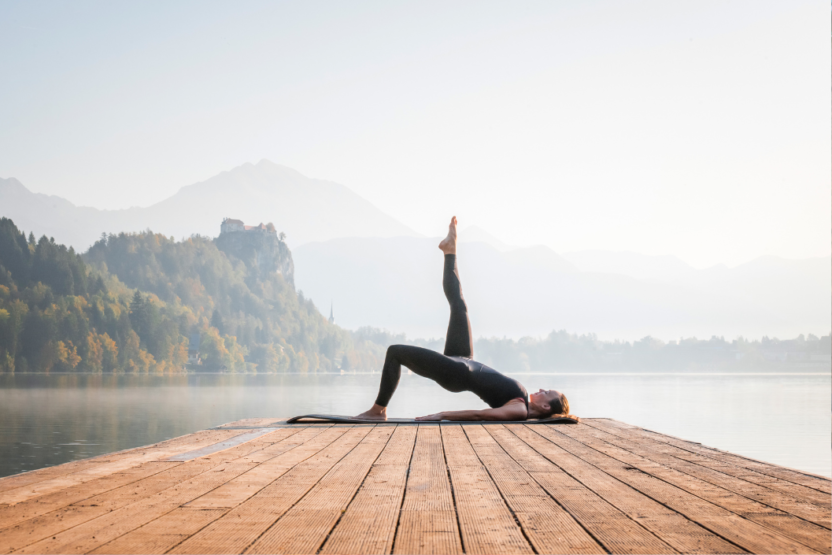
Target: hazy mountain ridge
(396, 284)
(639, 266)
(305, 209)
(380, 273)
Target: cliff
(262, 253)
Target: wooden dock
(262, 486)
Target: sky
(695, 128)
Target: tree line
(562, 351)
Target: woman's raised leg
(458, 341)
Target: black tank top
(492, 387)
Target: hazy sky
(696, 128)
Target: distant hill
(639, 266)
(476, 234)
(395, 283)
(305, 209)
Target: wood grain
(729, 525)
(368, 526)
(298, 470)
(88, 524)
(485, 521)
(779, 488)
(305, 527)
(673, 528)
(802, 521)
(428, 523)
(83, 473)
(819, 483)
(614, 530)
(601, 486)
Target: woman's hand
(432, 417)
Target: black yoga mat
(320, 418)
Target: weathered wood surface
(257, 486)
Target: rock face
(263, 253)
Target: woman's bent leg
(458, 341)
(450, 374)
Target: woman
(456, 371)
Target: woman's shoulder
(518, 408)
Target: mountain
(639, 266)
(305, 209)
(476, 234)
(396, 283)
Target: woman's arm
(509, 411)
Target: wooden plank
(756, 503)
(266, 473)
(786, 489)
(270, 466)
(485, 522)
(671, 527)
(91, 472)
(26, 478)
(214, 504)
(369, 523)
(305, 527)
(159, 535)
(304, 466)
(813, 481)
(428, 522)
(17, 488)
(725, 476)
(50, 524)
(614, 530)
(85, 527)
(548, 526)
(220, 445)
(92, 534)
(731, 526)
(31, 508)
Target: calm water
(51, 419)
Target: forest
(134, 301)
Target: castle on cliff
(232, 226)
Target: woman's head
(547, 402)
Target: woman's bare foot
(376, 413)
(448, 244)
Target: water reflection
(51, 419)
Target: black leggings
(450, 373)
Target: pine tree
(216, 321)
(139, 316)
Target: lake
(782, 418)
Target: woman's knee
(396, 351)
(408, 355)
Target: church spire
(331, 316)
